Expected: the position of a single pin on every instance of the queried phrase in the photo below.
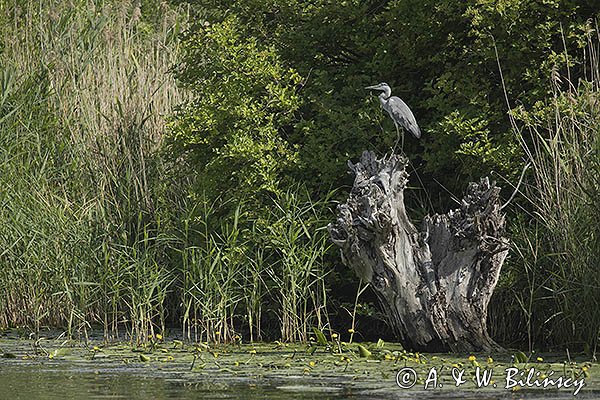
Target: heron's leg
(399, 138)
(402, 148)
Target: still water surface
(56, 370)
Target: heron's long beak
(375, 87)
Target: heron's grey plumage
(401, 115)
(397, 109)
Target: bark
(434, 283)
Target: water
(45, 382)
(55, 369)
(51, 381)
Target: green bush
(232, 132)
(444, 59)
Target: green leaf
(363, 351)
(520, 357)
(321, 339)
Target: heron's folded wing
(402, 115)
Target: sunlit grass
(85, 88)
(555, 283)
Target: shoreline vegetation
(175, 165)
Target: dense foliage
(98, 228)
(175, 163)
(242, 97)
(474, 72)
(460, 65)
(84, 90)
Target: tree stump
(434, 283)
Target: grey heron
(398, 110)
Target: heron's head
(380, 86)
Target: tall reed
(85, 89)
(213, 263)
(296, 237)
(95, 230)
(559, 244)
(235, 266)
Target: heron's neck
(387, 92)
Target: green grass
(233, 268)
(554, 282)
(96, 230)
(85, 88)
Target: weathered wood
(434, 283)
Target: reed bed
(554, 280)
(85, 88)
(96, 230)
(234, 269)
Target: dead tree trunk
(434, 284)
